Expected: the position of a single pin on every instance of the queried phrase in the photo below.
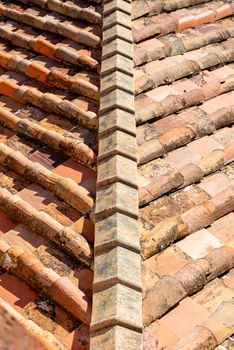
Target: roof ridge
(117, 294)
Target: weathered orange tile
(15, 291)
(204, 17)
(165, 124)
(222, 73)
(186, 22)
(44, 47)
(184, 317)
(48, 159)
(148, 278)
(83, 279)
(167, 262)
(182, 156)
(213, 295)
(15, 336)
(223, 11)
(50, 317)
(204, 146)
(215, 184)
(37, 71)
(150, 44)
(223, 228)
(75, 171)
(85, 227)
(158, 334)
(199, 244)
(217, 103)
(7, 87)
(229, 153)
(162, 92)
(155, 66)
(185, 86)
(228, 279)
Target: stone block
(124, 267)
(117, 17)
(117, 198)
(117, 168)
(117, 80)
(117, 306)
(113, 5)
(117, 230)
(117, 120)
(117, 46)
(117, 143)
(117, 99)
(115, 338)
(117, 62)
(117, 31)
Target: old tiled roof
(49, 85)
(184, 104)
(67, 111)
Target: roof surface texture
(49, 85)
(116, 212)
(184, 105)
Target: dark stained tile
(48, 159)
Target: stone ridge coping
(117, 292)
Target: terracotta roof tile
(189, 279)
(50, 60)
(57, 63)
(15, 291)
(61, 289)
(167, 262)
(180, 20)
(199, 337)
(32, 335)
(184, 317)
(158, 333)
(183, 85)
(213, 294)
